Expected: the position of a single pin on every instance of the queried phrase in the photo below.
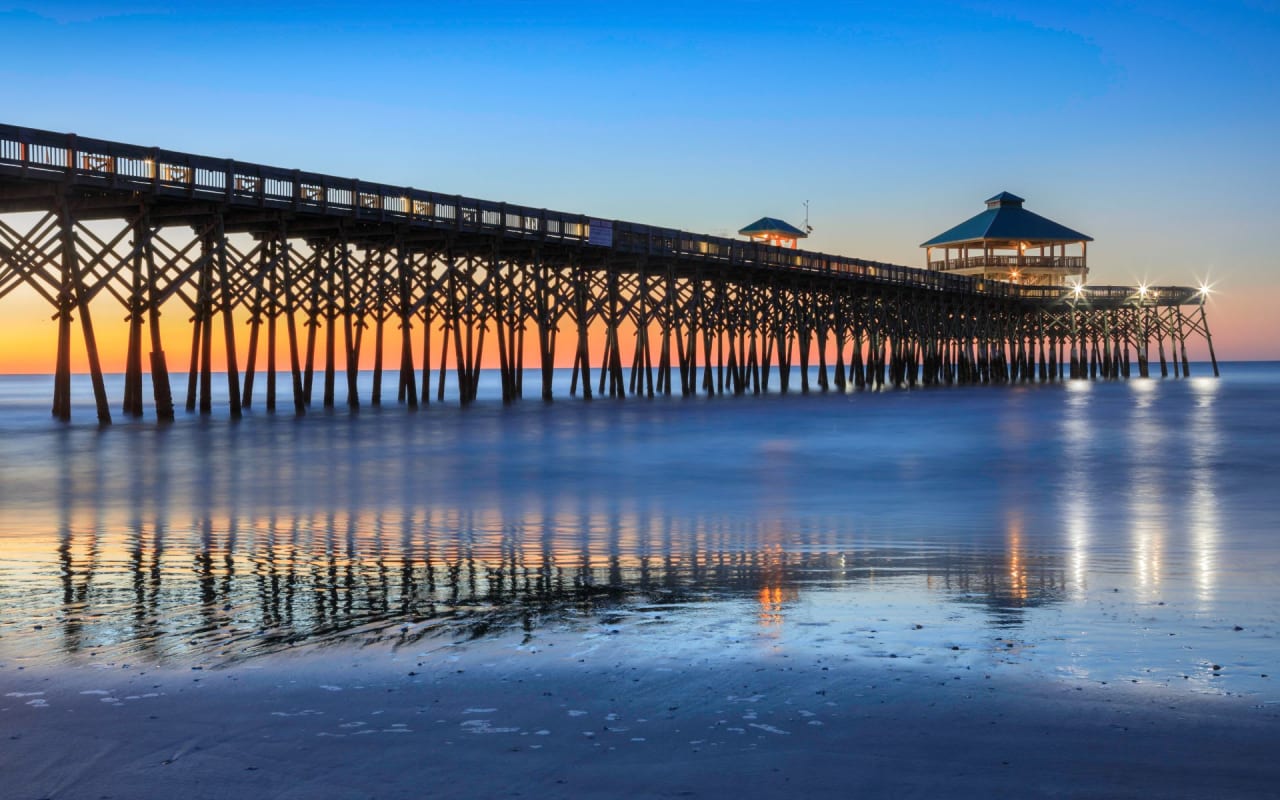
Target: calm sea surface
(1125, 531)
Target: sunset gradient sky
(1151, 126)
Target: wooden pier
(331, 263)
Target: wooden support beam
(1208, 338)
(290, 273)
(353, 310)
(312, 275)
(228, 324)
(72, 297)
(408, 391)
(161, 391)
(271, 284)
(379, 325)
(137, 304)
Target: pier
(262, 256)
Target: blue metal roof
(767, 225)
(1006, 220)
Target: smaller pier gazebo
(1009, 243)
(768, 230)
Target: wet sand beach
(585, 717)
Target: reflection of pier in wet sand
(236, 587)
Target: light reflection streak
(1077, 491)
(1205, 447)
(1017, 562)
(1147, 504)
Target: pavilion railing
(1075, 263)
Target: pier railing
(31, 154)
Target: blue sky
(1150, 126)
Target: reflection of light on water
(1204, 534)
(1017, 565)
(1078, 542)
(1148, 536)
(770, 598)
(1205, 389)
(1148, 552)
(772, 573)
(1076, 494)
(1204, 445)
(1144, 391)
(1146, 490)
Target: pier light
(1142, 290)
(1077, 289)
(1009, 243)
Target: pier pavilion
(776, 232)
(1009, 243)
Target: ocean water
(1096, 531)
